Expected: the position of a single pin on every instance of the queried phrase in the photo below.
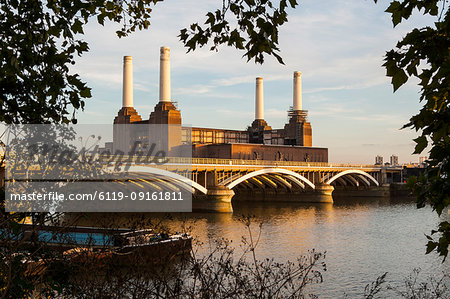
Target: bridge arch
(354, 180)
(184, 181)
(288, 173)
(354, 171)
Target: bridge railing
(216, 161)
(255, 162)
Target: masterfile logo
(98, 168)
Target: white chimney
(164, 75)
(297, 91)
(127, 95)
(259, 99)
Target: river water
(363, 238)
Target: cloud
(235, 113)
(391, 118)
(275, 113)
(336, 110)
(363, 85)
(196, 89)
(141, 87)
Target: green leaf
(85, 93)
(293, 3)
(394, 9)
(101, 19)
(211, 19)
(109, 5)
(77, 26)
(398, 79)
(278, 57)
(421, 144)
(431, 246)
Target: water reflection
(363, 237)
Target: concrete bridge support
(217, 199)
(323, 193)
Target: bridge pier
(323, 193)
(218, 199)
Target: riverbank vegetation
(38, 269)
(215, 268)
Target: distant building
(251, 151)
(108, 149)
(411, 170)
(423, 161)
(379, 160)
(394, 160)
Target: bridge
(214, 182)
(217, 180)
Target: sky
(337, 45)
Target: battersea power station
(259, 141)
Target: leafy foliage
(223, 272)
(39, 40)
(252, 27)
(28, 267)
(424, 53)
